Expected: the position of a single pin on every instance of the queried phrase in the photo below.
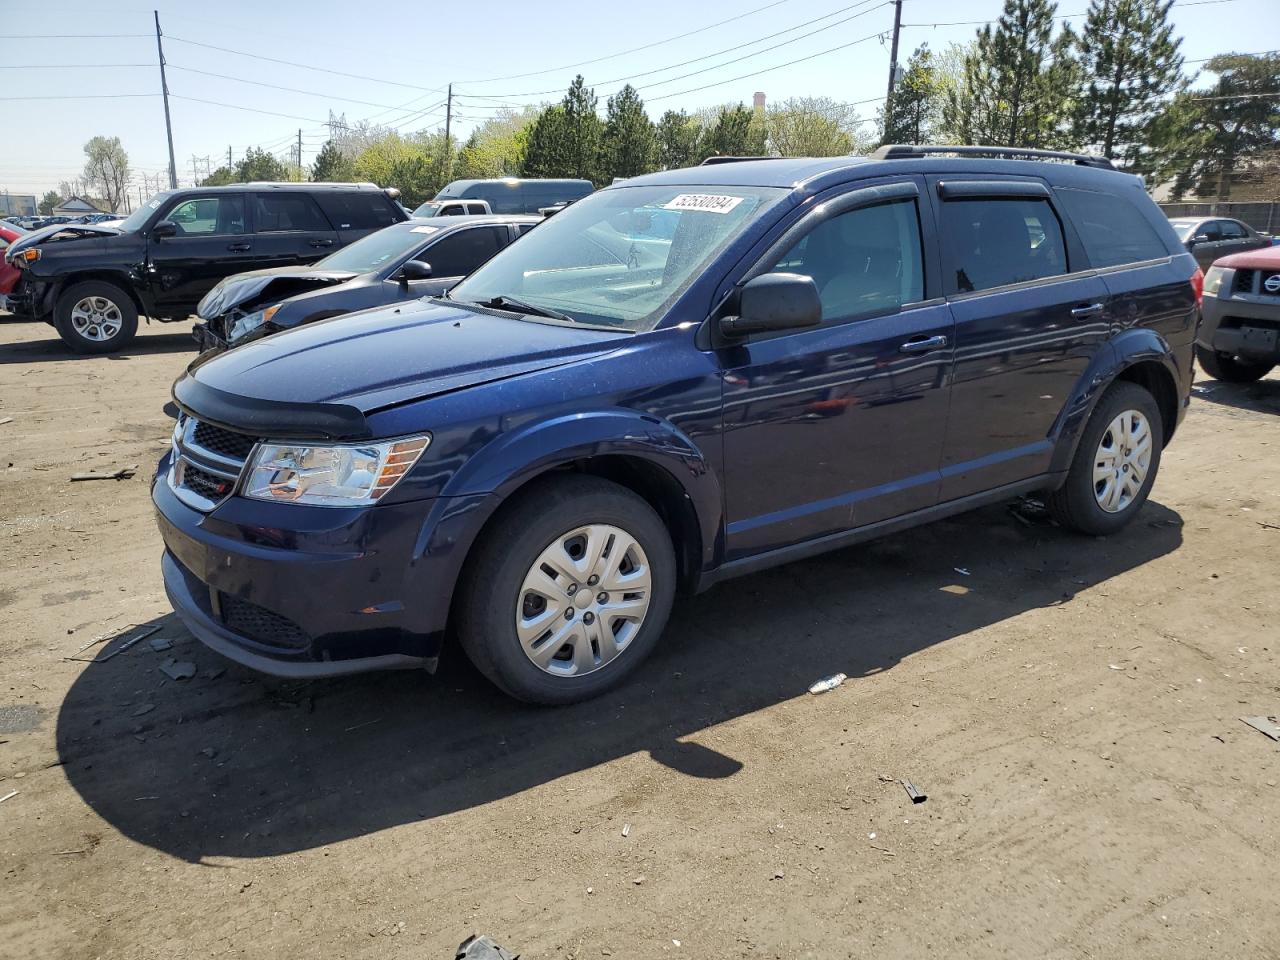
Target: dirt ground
(1070, 706)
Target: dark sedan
(407, 261)
(1212, 238)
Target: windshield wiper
(502, 301)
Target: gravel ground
(1070, 706)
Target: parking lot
(1070, 706)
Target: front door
(211, 242)
(1030, 315)
(841, 425)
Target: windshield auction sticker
(423, 229)
(706, 202)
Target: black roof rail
(711, 161)
(899, 151)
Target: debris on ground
(483, 948)
(9, 796)
(6, 420)
(143, 708)
(146, 632)
(160, 644)
(124, 473)
(963, 571)
(779, 875)
(178, 669)
(828, 683)
(1268, 725)
(912, 792)
(638, 880)
(885, 778)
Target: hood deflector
(278, 419)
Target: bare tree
(107, 169)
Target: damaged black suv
(91, 282)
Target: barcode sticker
(706, 202)
(423, 229)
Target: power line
(275, 86)
(85, 96)
(1061, 16)
(219, 103)
(69, 66)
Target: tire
(1228, 369)
(95, 317)
(592, 650)
(1097, 504)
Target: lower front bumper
(1241, 328)
(183, 596)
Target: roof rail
(712, 161)
(899, 151)
(305, 183)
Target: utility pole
(168, 124)
(228, 156)
(893, 59)
(448, 127)
(299, 153)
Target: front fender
(513, 459)
(1133, 346)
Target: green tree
(1019, 82)
(414, 167)
(735, 132)
(544, 152)
(1130, 63)
(564, 140)
(1204, 138)
(496, 147)
(220, 178)
(630, 144)
(915, 112)
(106, 169)
(811, 127)
(331, 165)
(260, 165)
(677, 140)
(48, 202)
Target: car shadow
(232, 763)
(54, 350)
(1261, 396)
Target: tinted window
(864, 262)
(1209, 230)
(992, 242)
(208, 216)
(1112, 229)
(525, 227)
(357, 209)
(460, 253)
(276, 212)
(475, 208)
(1232, 230)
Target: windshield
(1183, 228)
(136, 219)
(376, 250)
(620, 257)
(428, 209)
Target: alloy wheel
(96, 318)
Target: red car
(8, 274)
(1239, 337)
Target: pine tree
(544, 154)
(331, 165)
(630, 144)
(915, 111)
(736, 132)
(584, 132)
(1130, 61)
(677, 136)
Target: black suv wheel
(1228, 369)
(95, 317)
(569, 592)
(1114, 465)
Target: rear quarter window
(358, 210)
(1111, 227)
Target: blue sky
(392, 60)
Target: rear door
(1030, 314)
(289, 229)
(212, 241)
(355, 213)
(1237, 238)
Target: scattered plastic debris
(963, 571)
(915, 795)
(1268, 725)
(9, 796)
(626, 829)
(160, 644)
(828, 683)
(638, 880)
(178, 669)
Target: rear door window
(994, 241)
(208, 216)
(460, 253)
(1112, 228)
(282, 212)
(357, 209)
(1232, 230)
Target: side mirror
(165, 228)
(415, 270)
(775, 301)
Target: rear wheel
(1115, 464)
(1228, 369)
(568, 592)
(95, 317)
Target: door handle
(322, 243)
(1088, 310)
(239, 247)
(924, 344)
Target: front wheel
(568, 592)
(1228, 369)
(1115, 464)
(95, 317)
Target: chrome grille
(207, 462)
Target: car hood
(74, 231)
(272, 285)
(1265, 258)
(363, 362)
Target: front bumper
(338, 591)
(206, 339)
(1241, 325)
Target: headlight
(336, 475)
(251, 322)
(1212, 281)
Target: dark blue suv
(689, 376)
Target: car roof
(443, 223)
(273, 185)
